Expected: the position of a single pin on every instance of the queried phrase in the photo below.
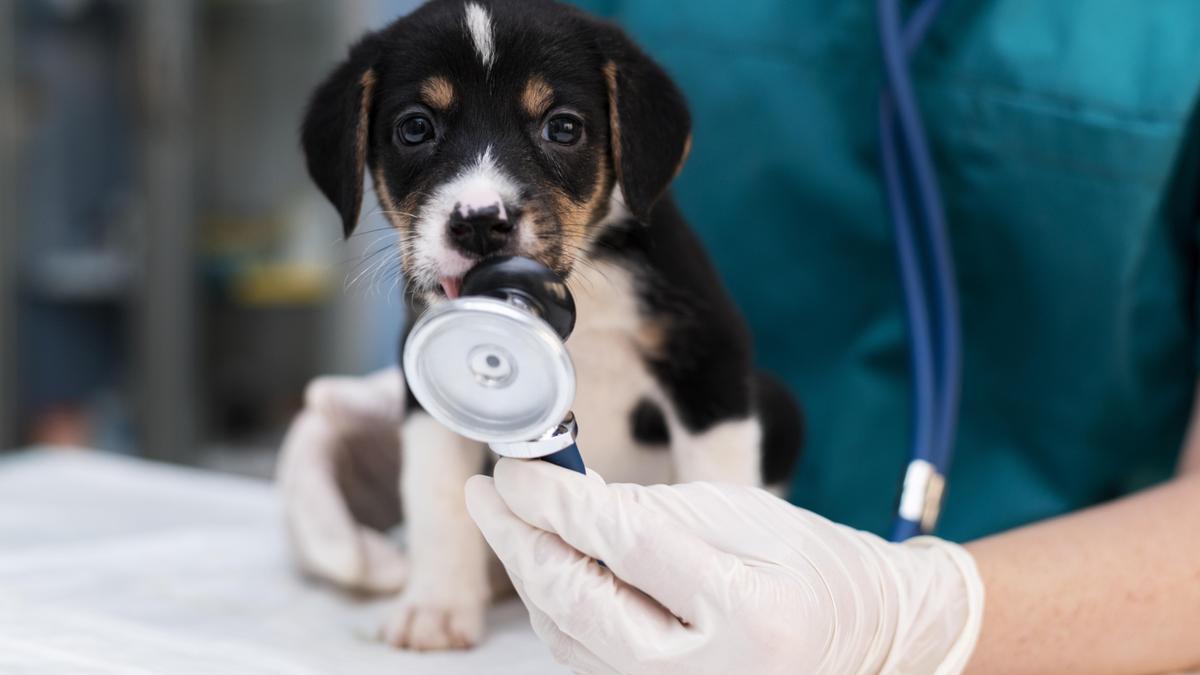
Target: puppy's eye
(415, 130)
(563, 129)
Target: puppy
(526, 127)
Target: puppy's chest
(607, 350)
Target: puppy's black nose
(480, 231)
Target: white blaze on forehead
(483, 184)
(479, 26)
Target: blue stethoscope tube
(931, 303)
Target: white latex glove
(339, 476)
(711, 578)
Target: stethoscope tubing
(935, 342)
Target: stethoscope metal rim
(555, 440)
(562, 369)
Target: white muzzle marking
(481, 185)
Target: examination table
(116, 565)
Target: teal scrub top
(1067, 139)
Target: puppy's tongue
(452, 286)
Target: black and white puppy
(498, 127)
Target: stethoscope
(492, 365)
(927, 276)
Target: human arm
(715, 578)
(1111, 589)
(1114, 589)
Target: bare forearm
(1114, 589)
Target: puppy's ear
(650, 128)
(336, 132)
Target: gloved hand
(338, 473)
(711, 578)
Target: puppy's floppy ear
(650, 128)
(336, 132)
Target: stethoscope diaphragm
(489, 370)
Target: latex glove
(710, 578)
(338, 473)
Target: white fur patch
(728, 452)
(618, 211)
(612, 376)
(434, 256)
(478, 197)
(479, 27)
(448, 590)
(436, 464)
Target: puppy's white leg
(447, 594)
(729, 451)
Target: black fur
(330, 134)
(783, 427)
(648, 424)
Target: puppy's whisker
(381, 270)
(354, 262)
(396, 278)
(379, 264)
(370, 214)
(367, 260)
(371, 270)
(374, 230)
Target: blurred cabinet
(179, 279)
(8, 228)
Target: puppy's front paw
(424, 625)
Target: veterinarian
(1067, 138)
(1067, 141)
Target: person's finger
(565, 649)
(356, 402)
(344, 421)
(643, 548)
(321, 528)
(584, 600)
(736, 519)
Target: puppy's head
(495, 127)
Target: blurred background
(169, 277)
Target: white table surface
(114, 565)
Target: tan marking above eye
(537, 97)
(437, 92)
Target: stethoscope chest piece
(492, 365)
(489, 369)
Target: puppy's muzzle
(481, 229)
